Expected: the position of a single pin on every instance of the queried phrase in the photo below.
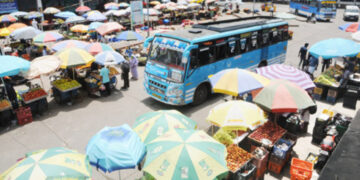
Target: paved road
(73, 126)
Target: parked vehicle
(351, 13)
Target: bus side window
(254, 37)
(265, 38)
(221, 50)
(243, 45)
(206, 55)
(194, 61)
(233, 46)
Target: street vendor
(104, 73)
(11, 93)
(133, 67)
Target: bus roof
(219, 29)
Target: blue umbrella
(94, 25)
(336, 47)
(25, 33)
(65, 14)
(115, 148)
(12, 65)
(96, 17)
(109, 58)
(33, 15)
(75, 19)
(19, 13)
(129, 35)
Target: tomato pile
(4, 104)
(34, 93)
(268, 131)
(236, 157)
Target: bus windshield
(328, 5)
(170, 55)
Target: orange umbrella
(15, 26)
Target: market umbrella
(69, 44)
(75, 19)
(7, 18)
(49, 36)
(124, 5)
(237, 115)
(335, 47)
(154, 3)
(153, 124)
(236, 81)
(96, 17)
(356, 36)
(109, 27)
(82, 9)
(51, 10)
(121, 12)
(282, 96)
(209, 1)
(80, 28)
(25, 33)
(17, 26)
(185, 154)
(91, 12)
(109, 58)
(12, 65)
(33, 15)
(19, 13)
(115, 148)
(74, 57)
(194, 5)
(94, 25)
(152, 12)
(182, 2)
(160, 6)
(350, 27)
(111, 6)
(5, 32)
(284, 15)
(171, 4)
(43, 65)
(65, 14)
(282, 71)
(110, 12)
(129, 35)
(96, 48)
(54, 163)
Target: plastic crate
(276, 167)
(282, 153)
(24, 115)
(301, 170)
(247, 172)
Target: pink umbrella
(281, 71)
(96, 48)
(82, 9)
(109, 27)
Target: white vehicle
(351, 13)
(223, 3)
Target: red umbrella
(282, 96)
(82, 9)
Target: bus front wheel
(201, 94)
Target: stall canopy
(19, 13)
(54, 163)
(69, 44)
(12, 65)
(65, 14)
(282, 71)
(25, 33)
(51, 10)
(17, 26)
(96, 48)
(43, 65)
(75, 19)
(109, 27)
(115, 148)
(82, 9)
(74, 57)
(129, 35)
(7, 18)
(336, 47)
(350, 27)
(109, 58)
(47, 37)
(282, 96)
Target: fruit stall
(65, 90)
(327, 84)
(35, 98)
(93, 83)
(238, 162)
(5, 111)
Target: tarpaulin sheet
(344, 162)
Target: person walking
(104, 73)
(325, 64)
(125, 68)
(133, 67)
(302, 55)
(34, 24)
(313, 64)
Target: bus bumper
(171, 100)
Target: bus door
(264, 44)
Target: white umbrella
(356, 36)
(75, 19)
(110, 12)
(25, 33)
(152, 12)
(51, 10)
(19, 13)
(183, 2)
(194, 5)
(121, 13)
(43, 65)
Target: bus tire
(201, 94)
(263, 63)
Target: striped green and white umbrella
(185, 154)
(54, 163)
(153, 124)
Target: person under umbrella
(11, 93)
(325, 64)
(104, 73)
(313, 64)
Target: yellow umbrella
(154, 3)
(237, 115)
(79, 28)
(72, 57)
(5, 32)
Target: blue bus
(180, 62)
(320, 9)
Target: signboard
(8, 6)
(137, 17)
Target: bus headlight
(174, 92)
(176, 76)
